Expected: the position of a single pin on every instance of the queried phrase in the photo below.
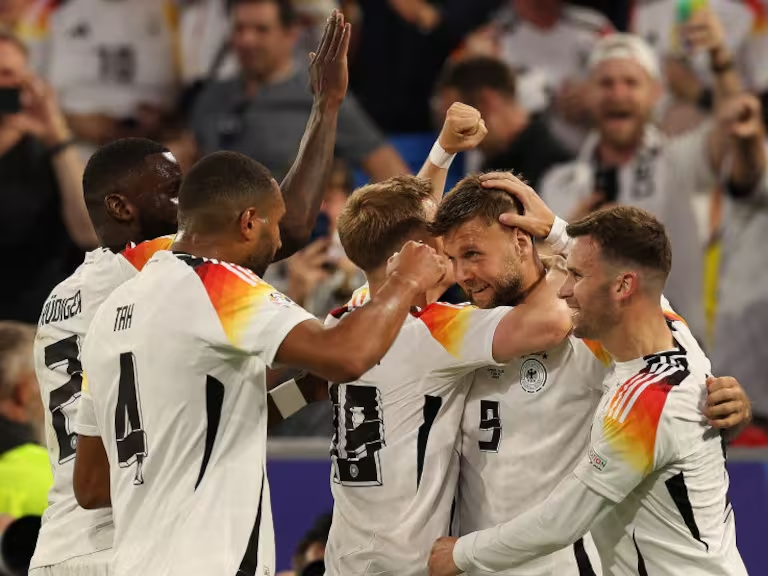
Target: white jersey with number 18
(176, 364)
(67, 530)
(395, 447)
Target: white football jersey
(525, 427)
(175, 362)
(110, 56)
(68, 530)
(654, 454)
(395, 446)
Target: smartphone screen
(10, 101)
(322, 227)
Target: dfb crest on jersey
(533, 375)
(280, 299)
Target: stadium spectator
(741, 326)
(548, 42)
(517, 140)
(44, 223)
(28, 19)
(112, 63)
(308, 560)
(400, 47)
(629, 161)
(321, 277)
(25, 474)
(262, 113)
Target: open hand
(328, 68)
(703, 31)
(727, 404)
(536, 219)
(463, 129)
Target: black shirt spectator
(532, 152)
(400, 48)
(37, 250)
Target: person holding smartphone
(44, 225)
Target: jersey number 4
(59, 354)
(129, 430)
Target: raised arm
(304, 186)
(344, 352)
(564, 517)
(463, 130)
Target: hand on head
(536, 219)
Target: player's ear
(627, 284)
(250, 223)
(119, 208)
(524, 243)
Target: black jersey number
(65, 353)
(358, 423)
(490, 420)
(129, 430)
(117, 64)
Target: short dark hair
(627, 235)
(469, 200)
(113, 165)
(379, 218)
(474, 74)
(286, 9)
(218, 183)
(7, 35)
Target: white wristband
(288, 398)
(439, 157)
(558, 238)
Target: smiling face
(485, 262)
(624, 95)
(589, 291)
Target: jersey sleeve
(466, 332)
(255, 317)
(631, 438)
(85, 423)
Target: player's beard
(506, 290)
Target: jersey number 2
(129, 430)
(57, 354)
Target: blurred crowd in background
(205, 75)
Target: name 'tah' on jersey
(394, 452)
(67, 530)
(176, 362)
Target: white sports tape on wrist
(439, 157)
(288, 398)
(558, 237)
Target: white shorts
(96, 564)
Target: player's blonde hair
(379, 218)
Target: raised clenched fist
(464, 129)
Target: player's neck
(204, 246)
(535, 286)
(643, 330)
(378, 278)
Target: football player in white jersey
(655, 473)
(526, 424)
(394, 451)
(175, 401)
(131, 187)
